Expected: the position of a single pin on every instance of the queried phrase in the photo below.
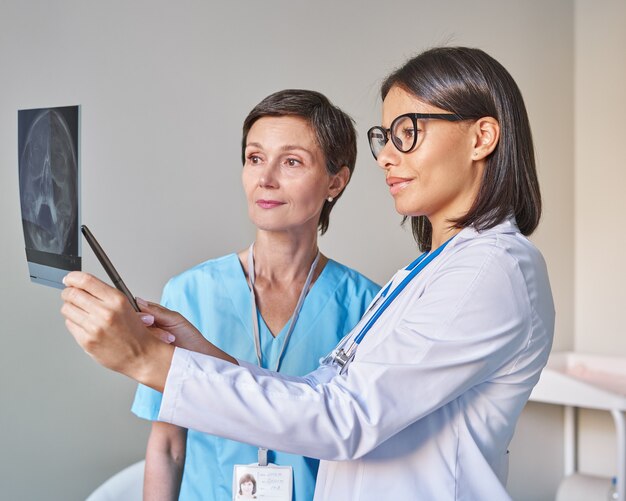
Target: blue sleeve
(147, 401)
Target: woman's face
(284, 175)
(247, 488)
(438, 178)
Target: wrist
(154, 365)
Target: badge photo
(263, 483)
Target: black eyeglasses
(403, 131)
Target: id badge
(263, 483)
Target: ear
(338, 182)
(486, 137)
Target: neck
(459, 207)
(284, 256)
(442, 233)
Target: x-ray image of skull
(48, 185)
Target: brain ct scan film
(48, 157)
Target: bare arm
(165, 462)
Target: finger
(90, 284)
(91, 314)
(161, 315)
(110, 302)
(162, 335)
(78, 333)
(75, 314)
(148, 305)
(79, 298)
(147, 319)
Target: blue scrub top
(215, 297)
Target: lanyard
(294, 317)
(341, 356)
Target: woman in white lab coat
(420, 401)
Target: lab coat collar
(509, 225)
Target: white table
(592, 382)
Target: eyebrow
(287, 147)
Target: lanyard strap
(294, 316)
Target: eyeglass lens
(377, 138)
(403, 135)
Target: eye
(407, 132)
(293, 162)
(254, 159)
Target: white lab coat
(428, 406)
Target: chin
(269, 227)
(407, 211)
(266, 223)
(272, 226)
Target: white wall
(164, 87)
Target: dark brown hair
(334, 131)
(472, 84)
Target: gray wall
(600, 76)
(164, 87)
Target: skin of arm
(104, 324)
(165, 462)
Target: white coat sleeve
(472, 323)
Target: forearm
(204, 346)
(153, 359)
(344, 417)
(165, 462)
(211, 396)
(162, 478)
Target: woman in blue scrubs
(280, 303)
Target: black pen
(108, 266)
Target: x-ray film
(48, 157)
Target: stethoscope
(342, 356)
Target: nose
(269, 175)
(388, 156)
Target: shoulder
(207, 270)
(495, 266)
(499, 250)
(203, 278)
(350, 280)
(484, 286)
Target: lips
(269, 204)
(397, 184)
